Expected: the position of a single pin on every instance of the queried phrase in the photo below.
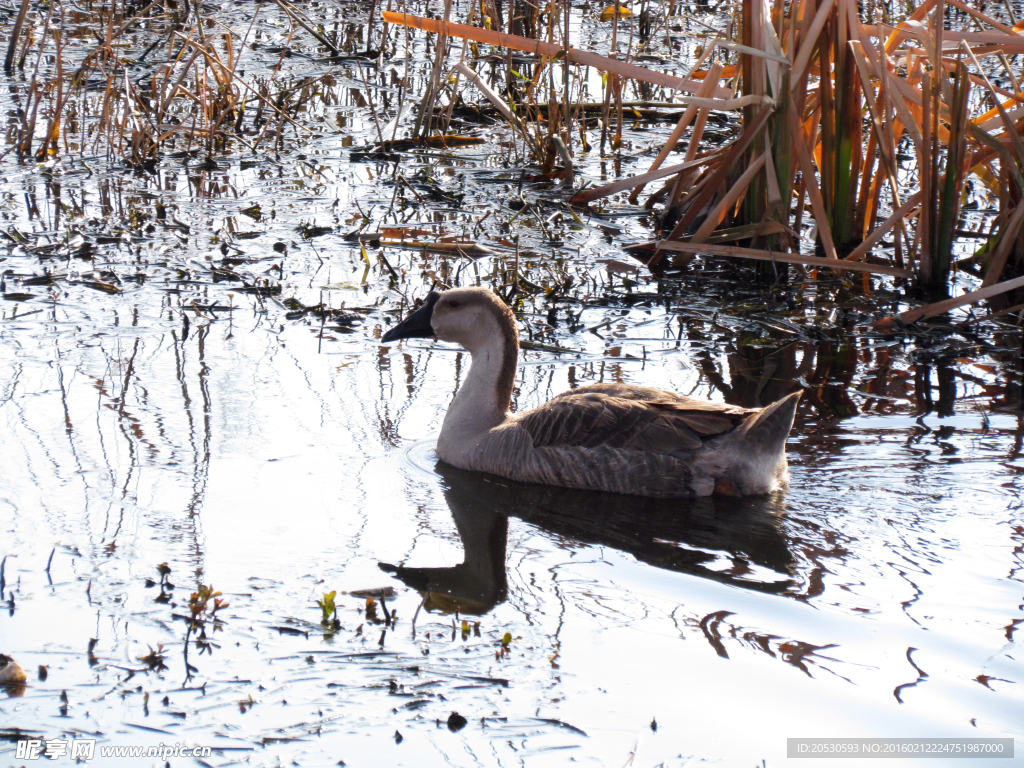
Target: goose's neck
(483, 399)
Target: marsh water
(173, 415)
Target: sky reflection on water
(880, 595)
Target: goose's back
(628, 416)
(633, 440)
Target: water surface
(166, 398)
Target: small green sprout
(329, 611)
(327, 606)
(506, 641)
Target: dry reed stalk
(710, 84)
(730, 251)
(1007, 241)
(992, 148)
(500, 105)
(12, 44)
(941, 307)
(987, 117)
(376, 121)
(585, 196)
(752, 83)
(34, 98)
(748, 50)
(924, 169)
(612, 91)
(434, 85)
(774, 191)
(729, 199)
(889, 132)
(631, 106)
(809, 40)
(446, 120)
(294, 14)
(952, 183)
(264, 98)
(869, 189)
(1010, 129)
(566, 158)
(728, 72)
(800, 206)
(906, 116)
(811, 185)
(748, 231)
(1013, 44)
(685, 185)
(994, 315)
(566, 11)
(721, 101)
(880, 231)
(982, 17)
(850, 159)
(698, 201)
(886, 150)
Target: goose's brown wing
(637, 418)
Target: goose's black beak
(416, 325)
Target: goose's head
(471, 317)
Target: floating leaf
(611, 11)
(98, 286)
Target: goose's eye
(454, 304)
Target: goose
(616, 438)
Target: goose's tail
(767, 430)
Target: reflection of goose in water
(603, 437)
(732, 540)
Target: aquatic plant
(203, 605)
(829, 105)
(859, 135)
(155, 659)
(329, 611)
